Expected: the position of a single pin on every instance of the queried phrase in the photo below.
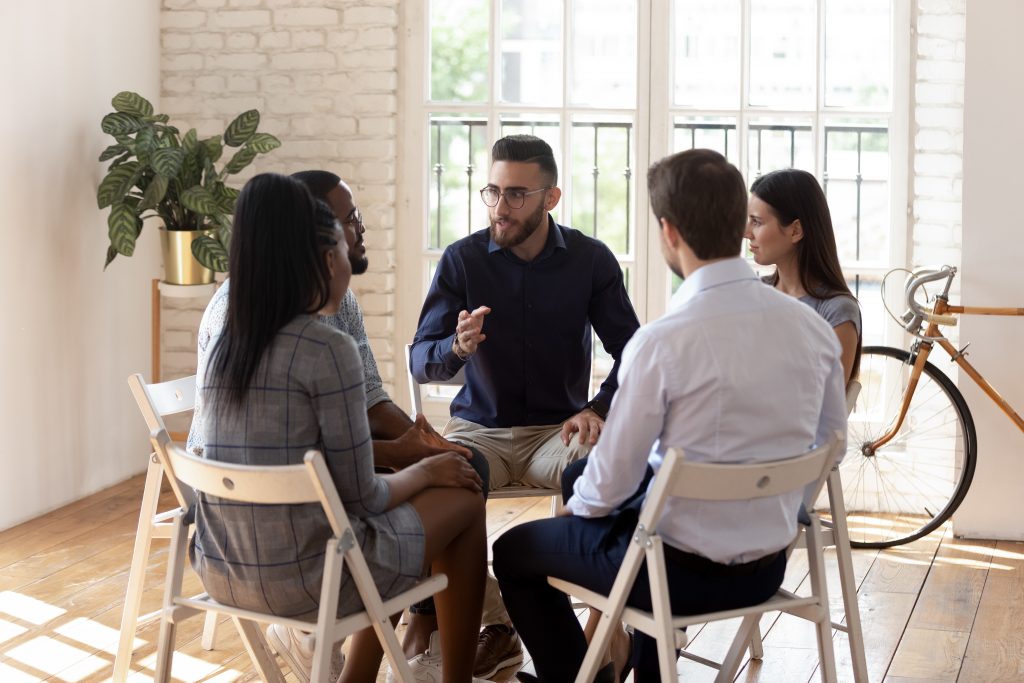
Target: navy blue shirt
(534, 366)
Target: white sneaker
(296, 649)
(426, 666)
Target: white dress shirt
(734, 372)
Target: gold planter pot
(180, 267)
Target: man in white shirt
(734, 372)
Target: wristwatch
(599, 407)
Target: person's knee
(483, 468)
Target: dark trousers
(589, 552)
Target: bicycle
(912, 447)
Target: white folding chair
(720, 482)
(281, 485)
(510, 491)
(155, 402)
(834, 533)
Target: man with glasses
(514, 303)
(398, 441)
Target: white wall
(70, 333)
(993, 146)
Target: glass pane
(602, 187)
(706, 132)
(547, 127)
(458, 169)
(706, 53)
(856, 184)
(458, 50)
(874, 319)
(778, 145)
(531, 52)
(858, 53)
(604, 53)
(783, 37)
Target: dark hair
(704, 197)
(318, 182)
(794, 194)
(277, 272)
(527, 149)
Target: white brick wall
(323, 74)
(938, 132)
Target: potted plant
(156, 171)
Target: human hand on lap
(451, 470)
(436, 443)
(587, 423)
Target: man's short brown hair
(704, 197)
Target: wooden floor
(941, 609)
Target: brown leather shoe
(497, 647)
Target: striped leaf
(264, 142)
(123, 227)
(154, 193)
(119, 123)
(242, 128)
(112, 151)
(210, 253)
(128, 102)
(214, 147)
(226, 197)
(190, 140)
(111, 255)
(199, 200)
(240, 160)
(117, 183)
(167, 161)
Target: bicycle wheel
(909, 486)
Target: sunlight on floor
(187, 668)
(28, 609)
(10, 630)
(51, 656)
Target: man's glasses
(514, 198)
(355, 219)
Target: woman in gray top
(789, 226)
(278, 383)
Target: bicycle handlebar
(917, 314)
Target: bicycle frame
(943, 313)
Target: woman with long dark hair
(279, 382)
(789, 226)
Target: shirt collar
(709, 276)
(556, 240)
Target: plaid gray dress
(306, 393)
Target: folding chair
(834, 533)
(710, 481)
(280, 485)
(510, 491)
(155, 402)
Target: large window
(615, 84)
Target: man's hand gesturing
(469, 332)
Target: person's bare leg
(417, 633)
(456, 545)
(618, 649)
(364, 655)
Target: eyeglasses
(514, 198)
(355, 219)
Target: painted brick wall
(938, 132)
(323, 74)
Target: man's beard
(526, 227)
(359, 265)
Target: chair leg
(165, 650)
(210, 631)
(844, 555)
(733, 659)
(819, 587)
(756, 642)
(259, 651)
(137, 573)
